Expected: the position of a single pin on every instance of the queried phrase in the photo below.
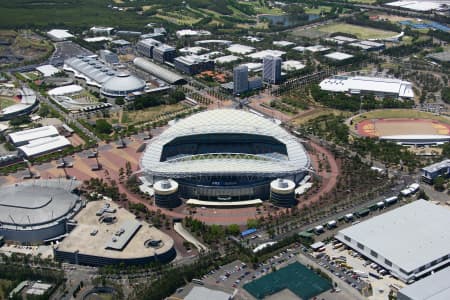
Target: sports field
(359, 31)
(383, 127)
(296, 277)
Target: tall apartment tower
(272, 69)
(240, 79)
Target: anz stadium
(223, 155)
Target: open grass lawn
(315, 113)
(177, 18)
(316, 11)
(400, 113)
(148, 114)
(5, 285)
(363, 1)
(359, 31)
(5, 102)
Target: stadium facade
(225, 155)
(38, 211)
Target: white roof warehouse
(409, 241)
(374, 85)
(25, 136)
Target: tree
(20, 120)
(120, 101)
(446, 150)
(233, 229)
(252, 223)
(439, 184)
(103, 127)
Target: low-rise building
(164, 53)
(382, 87)
(193, 64)
(431, 172)
(410, 241)
(146, 46)
(434, 287)
(59, 35)
(109, 57)
(23, 137)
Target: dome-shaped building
(122, 85)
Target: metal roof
(120, 239)
(123, 83)
(434, 287)
(411, 236)
(356, 84)
(338, 55)
(30, 204)
(158, 71)
(437, 166)
(44, 145)
(90, 68)
(200, 292)
(225, 121)
(32, 134)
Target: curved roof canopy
(123, 83)
(158, 71)
(225, 121)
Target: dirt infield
(383, 127)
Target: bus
(197, 281)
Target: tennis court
(300, 280)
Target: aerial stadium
(38, 211)
(225, 156)
(15, 103)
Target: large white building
(368, 85)
(225, 155)
(435, 287)
(58, 35)
(44, 145)
(410, 241)
(25, 136)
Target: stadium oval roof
(37, 204)
(123, 84)
(225, 121)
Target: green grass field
(359, 31)
(363, 1)
(38, 13)
(5, 285)
(5, 102)
(316, 11)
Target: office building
(164, 53)
(193, 64)
(146, 46)
(240, 79)
(109, 57)
(272, 69)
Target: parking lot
(358, 271)
(234, 275)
